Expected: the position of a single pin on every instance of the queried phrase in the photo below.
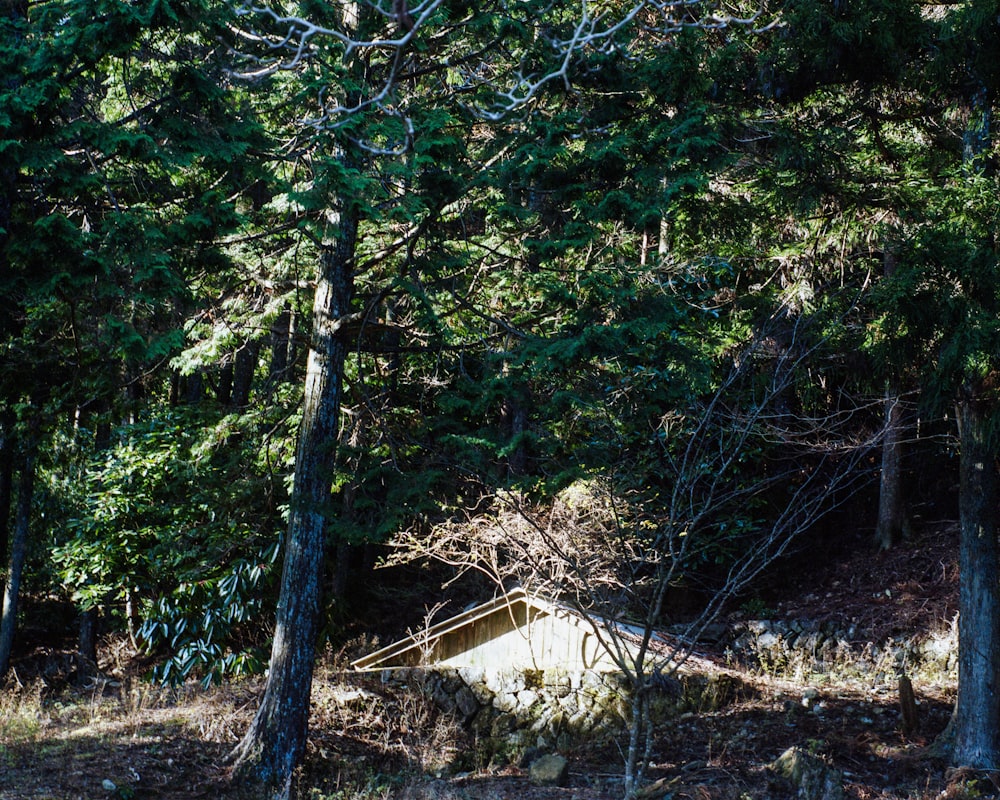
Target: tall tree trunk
(891, 513)
(245, 364)
(973, 737)
(281, 332)
(86, 647)
(274, 744)
(14, 10)
(6, 480)
(18, 551)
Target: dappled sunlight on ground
(371, 741)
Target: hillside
(57, 741)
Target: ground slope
(120, 737)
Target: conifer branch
(507, 77)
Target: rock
(527, 698)
(343, 696)
(810, 697)
(937, 648)
(495, 682)
(714, 633)
(471, 676)
(466, 701)
(655, 790)
(548, 770)
(505, 702)
(444, 699)
(544, 719)
(813, 778)
(502, 725)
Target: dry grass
(21, 718)
(372, 742)
(76, 742)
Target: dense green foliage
(554, 295)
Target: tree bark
(6, 480)
(274, 744)
(973, 737)
(18, 551)
(243, 371)
(891, 514)
(224, 392)
(89, 622)
(86, 646)
(15, 11)
(280, 349)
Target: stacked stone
(822, 647)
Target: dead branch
(511, 74)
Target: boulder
(549, 770)
(814, 779)
(466, 702)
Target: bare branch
(610, 549)
(510, 74)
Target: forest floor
(122, 737)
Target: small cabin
(521, 666)
(515, 631)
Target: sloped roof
(519, 630)
(510, 622)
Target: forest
(317, 314)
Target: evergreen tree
(121, 149)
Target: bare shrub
(612, 546)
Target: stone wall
(515, 709)
(798, 648)
(512, 710)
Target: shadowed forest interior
(326, 324)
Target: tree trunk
(14, 10)
(973, 737)
(86, 646)
(280, 349)
(514, 417)
(8, 197)
(274, 744)
(891, 514)
(18, 550)
(135, 394)
(6, 480)
(243, 370)
(194, 388)
(224, 392)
